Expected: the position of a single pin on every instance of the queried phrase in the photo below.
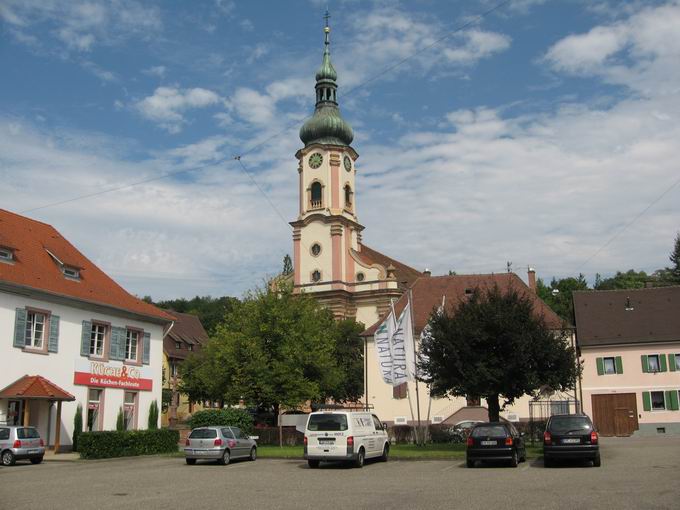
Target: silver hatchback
(219, 443)
(17, 443)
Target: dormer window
(6, 254)
(71, 273)
(178, 345)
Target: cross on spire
(327, 28)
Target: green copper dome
(326, 125)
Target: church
(353, 280)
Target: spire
(326, 125)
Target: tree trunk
(494, 407)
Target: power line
(627, 225)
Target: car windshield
(567, 424)
(327, 422)
(203, 434)
(28, 433)
(489, 431)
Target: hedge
(229, 417)
(113, 443)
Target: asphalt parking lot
(636, 473)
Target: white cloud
(167, 105)
(158, 71)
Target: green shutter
(672, 400)
(20, 328)
(53, 343)
(85, 338)
(646, 401)
(117, 348)
(146, 349)
(600, 366)
(662, 363)
(619, 365)
(645, 366)
(671, 362)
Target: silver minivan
(18, 443)
(219, 443)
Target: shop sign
(107, 375)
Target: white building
(70, 335)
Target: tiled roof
(35, 268)
(35, 386)
(612, 317)
(405, 275)
(187, 330)
(429, 292)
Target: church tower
(328, 255)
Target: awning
(35, 387)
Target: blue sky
(534, 135)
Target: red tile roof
(187, 330)
(405, 275)
(428, 293)
(35, 387)
(35, 268)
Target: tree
(495, 346)
(120, 420)
(153, 416)
(287, 265)
(274, 349)
(674, 257)
(558, 295)
(631, 279)
(209, 310)
(77, 426)
(349, 356)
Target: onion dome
(326, 125)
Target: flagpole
(415, 358)
(408, 391)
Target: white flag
(383, 348)
(403, 349)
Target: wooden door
(615, 414)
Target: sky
(545, 133)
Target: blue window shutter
(146, 349)
(53, 343)
(85, 338)
(20, 328)
(116, 351)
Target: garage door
(615, 414)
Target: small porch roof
(35, 387)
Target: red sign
(102, 375)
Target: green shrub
(120, 420)
(77, 426)
(230, 417)
(153, 416)
(113, 443)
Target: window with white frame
(658, 401)
(97, 337)
(6, 254)
(178, 345)
(677, 361)
(71, 272)
(609, 365)
(653, 363)
(35, 330)
(131, 344)
(130, 409)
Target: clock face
(348, 163)
(315, 160)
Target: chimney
(427, 272)
(531, 272)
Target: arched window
(348, 197)
(316, 195)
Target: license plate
(488, 443)
(33, 451)
(326, 441)
(571, 440)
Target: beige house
(629, 343)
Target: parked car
(18, 443)
(219, 443)
(495, 441)
(570, 437)
(344, 436)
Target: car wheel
(191, 462)
(8, 458)
(597, 461)
(386, 452)
(224, 460)
(470, 463)
(514, 460)
(313, 464)
(36, 460)
(359, 461)
(253, 453)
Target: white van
(345, 436)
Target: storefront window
(35, 329)
(93, 409)
(130, 409)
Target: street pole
(366, 370)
